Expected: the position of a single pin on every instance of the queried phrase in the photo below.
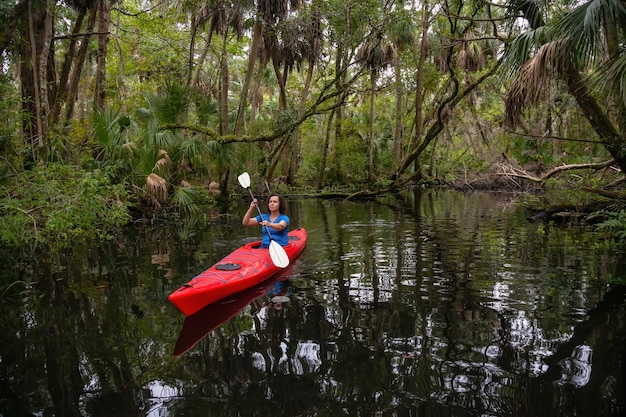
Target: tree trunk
(398, 130)
(8, 32)
(69, 59)
(120, 81)
(370, 135)
(295, 149)
(274, 156)
(47, 68)
(36, 70)
(196, 74)
(104, 18)
(225, 85)
(419, 87)
(284, 154)
(325, 150)
(33, 24)
(243, 101)
(77, 71)
(613, 142)
(255, 100)
(341, 62)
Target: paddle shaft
(260, 214)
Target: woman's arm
(278, 226)
(281, 223)
(247, 219)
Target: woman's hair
(282, 204)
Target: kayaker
(276, 221)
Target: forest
(116, 109)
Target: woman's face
(273, 203)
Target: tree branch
(616, 195)
(511, 171)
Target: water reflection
(430, 305)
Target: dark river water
(432, 304)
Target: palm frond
(222, 154)
(154, 139)
(171, 104)
(143, 113)
(403, 30)
(531, 10)
(156, 187)
(616, 73)
(190, 149)
(105, 126)
(112, 130)
(532, 83)
(187, 199)
(521, 48)
(163, 163)
(582, 28)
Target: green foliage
(152, 59)
(171, 104)
(137, 151)
(149, 49)
(62, 205)
(614, 224)
(9, 122)
(189, 199)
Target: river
(427, 304)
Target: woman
(276, 221)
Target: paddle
(277, 253)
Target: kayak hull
(243, 268)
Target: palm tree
(222, 16)
(268, 14)
(310, 51)
(584, 41)
(376, 54)
(104, 20)
(402, 34)
(299, 42)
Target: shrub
(60, 204)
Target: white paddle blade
(244, 180)
(278, 255)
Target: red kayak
(243, 268)
(200, 324)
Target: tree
(73, 62)
(311, 51)
(45, 89)
(104, 19)
(222, 17)
(377, 53)
(299, 42)
(268, 14)
(34, 41)
(457, 23)
(402, 33)
(585, 40)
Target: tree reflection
(430, 305)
